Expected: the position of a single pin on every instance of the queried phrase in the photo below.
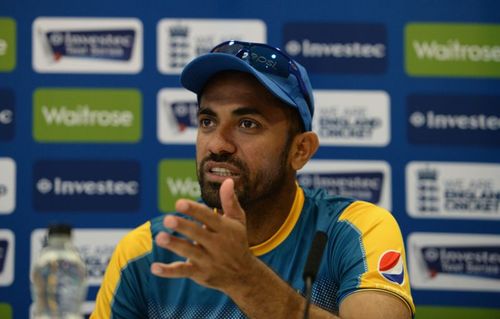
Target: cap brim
(196, 74)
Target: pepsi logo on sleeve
(390, 266)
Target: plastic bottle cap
(59, 229)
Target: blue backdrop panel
(379, 65)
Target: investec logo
(112, 115)
(363, 180)
(86, 185)
(352, 118)
(177, 116)
(462, 119)
(454, 261)
(337, 48)
(453, 190)
(177, 179)
(87, 45)
(180, 40)
(453, 49)
(95, 246)
(7, 109)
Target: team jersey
(364, 250)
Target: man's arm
(218, 257)
(268, 296)
(120, 295)
(374, 304)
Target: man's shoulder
(134, 245)
(324, 204)
(331, 209)
(366, 213)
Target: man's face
(243, 133)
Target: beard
(264, 184)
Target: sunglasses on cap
(266, 59)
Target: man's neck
(268, 215)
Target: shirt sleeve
(371, 253)
(121, 294)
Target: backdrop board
(95, 129)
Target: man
(241, 252)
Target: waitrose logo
(7, 44)
(177, 179)
(82, 115)
(452, 49)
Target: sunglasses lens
(229, 47)
(268, 60)
(262, 58)
(265, 59)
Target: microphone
(312, 266)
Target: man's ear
(303, 148)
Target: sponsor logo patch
(390, 266)
(4, 246)
(7, 114)
(469, 262)
(177, 179)
(177, 111)
(110, 45)
(449, 49)
(337, 47)
(352, 118)
(458, 120)
(87, 45)
(362, 180)
(7, 185)
(181, 40)
(84, 115)
(7, 248)
(7, 44)
(453, 190)
(94, 185)
(5, 311)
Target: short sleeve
(370, 253)
(120, 294)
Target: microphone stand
(312, 266)
(308, 297)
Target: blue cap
(197, 73)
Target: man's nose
(222, 141)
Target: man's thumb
(229, 202)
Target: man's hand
(216, 246)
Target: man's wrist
(261, 293)
(248, 280)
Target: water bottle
(59, 284)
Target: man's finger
(200, 212)
(191, 229)
(177, 269)
(230, 204)
(180, 247)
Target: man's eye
(206, 122)
(248, 124)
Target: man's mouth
(221, 171)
